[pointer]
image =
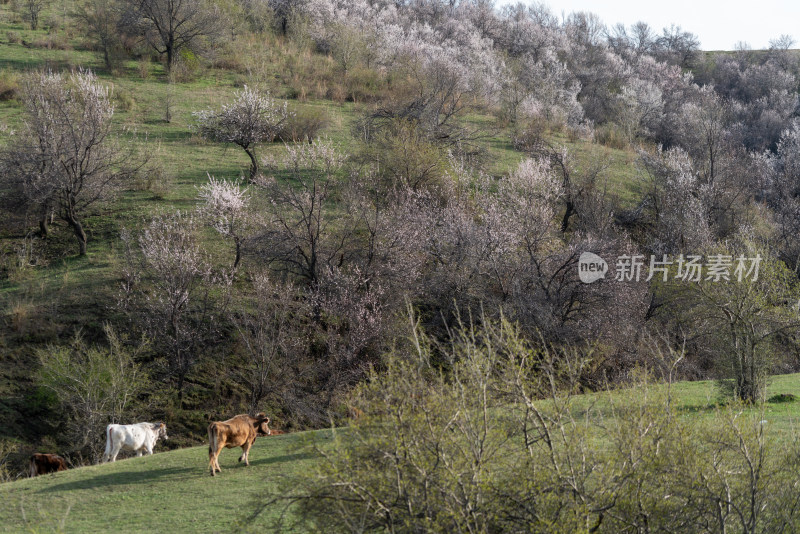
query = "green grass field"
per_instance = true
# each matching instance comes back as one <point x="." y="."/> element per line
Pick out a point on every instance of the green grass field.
<point x="173" y="492"/>
<point x="167" y="492"/>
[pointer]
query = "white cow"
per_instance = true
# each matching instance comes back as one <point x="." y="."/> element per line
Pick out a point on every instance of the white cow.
<point x="137" y="437"/>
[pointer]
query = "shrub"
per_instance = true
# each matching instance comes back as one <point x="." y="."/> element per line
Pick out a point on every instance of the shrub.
<point x="9" y="85"/>
<point x="143" y="67"/>
<point x="20" y="314"/>
<point x="124" y="100"/>
<point x="305" y="124"/>
<point x="53" y="41"/>
<point x="493" y="438"/>
<point x="782" y="397"/>
<point x="154" y="177"/>
<point x="529" y="136"/>
<point x="406" y="157"/>
<point x="612" y="136"/>
<point x="7" y="448"/>
<point x="363" y="84"/>
<point x="95" y="385"/>
<point x="13" y="37"/>
<point x="186" y="67"/>
<point x="229" y="62"/>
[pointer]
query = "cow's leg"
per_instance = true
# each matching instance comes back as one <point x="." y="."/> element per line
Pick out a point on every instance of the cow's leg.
<point x="212" y="462"/>
<point x="109" y="443"/>
<point x="138" y="453"/>
<point x="115" y="452"/>
<point x="246" y="453"/>
<point x="213" y="456"/>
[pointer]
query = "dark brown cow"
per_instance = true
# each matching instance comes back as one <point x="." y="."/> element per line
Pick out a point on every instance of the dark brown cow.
<point x="240" y="431"/>
<point x="42" y="464"/>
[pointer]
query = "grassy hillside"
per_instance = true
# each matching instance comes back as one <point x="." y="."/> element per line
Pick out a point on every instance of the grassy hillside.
<point x="166" y="492"/>
<point x="172" y="491"/>
<point x="55" y="293"/>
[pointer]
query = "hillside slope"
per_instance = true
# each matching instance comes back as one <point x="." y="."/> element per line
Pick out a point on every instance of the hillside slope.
<point x="54" y="294"/>
<point x="172" y="491"/>
<point x="166" y="492"/>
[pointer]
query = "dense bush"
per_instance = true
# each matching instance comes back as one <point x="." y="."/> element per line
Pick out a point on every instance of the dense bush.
<point x="303" y="124"/>
<point x="497" y="440"/>
<point x="94" y="386"/>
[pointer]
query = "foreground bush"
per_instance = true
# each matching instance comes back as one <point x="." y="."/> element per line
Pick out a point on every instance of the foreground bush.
<point x="493" y="438"/>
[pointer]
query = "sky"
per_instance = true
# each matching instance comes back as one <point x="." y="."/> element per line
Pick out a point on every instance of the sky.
<point x="718" y="25"/>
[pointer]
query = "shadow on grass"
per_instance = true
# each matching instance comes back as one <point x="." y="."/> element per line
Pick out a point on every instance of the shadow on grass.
<point x="119" y="479"/>
<point x="285" y="458"/>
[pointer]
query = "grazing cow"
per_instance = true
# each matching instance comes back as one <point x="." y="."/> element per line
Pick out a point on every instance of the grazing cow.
<point x="138" y="437"/>
<point x="42" y="464"/>
<point x="240" y="431"/>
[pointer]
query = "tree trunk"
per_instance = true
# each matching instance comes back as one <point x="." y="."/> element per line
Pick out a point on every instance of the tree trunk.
<point x="253" y="163"/>
<point x="107" y="57"/>
<point x="181" y="378"/>
<point x="44" y="226"/>
<point x="238" y="253"/>
<point x="569" y="211"/>
<point x="170" y="55"/>
<point x="80" y="234"/>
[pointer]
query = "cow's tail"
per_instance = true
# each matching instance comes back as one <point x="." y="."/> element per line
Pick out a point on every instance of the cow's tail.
<point x="109" y="444"/>
<point x="213" y="438"/>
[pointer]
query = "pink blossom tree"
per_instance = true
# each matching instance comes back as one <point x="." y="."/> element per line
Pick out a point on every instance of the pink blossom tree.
<point x="225" y="208"/>
<point x="252" y="118"/>
<point x="65" y="159"/>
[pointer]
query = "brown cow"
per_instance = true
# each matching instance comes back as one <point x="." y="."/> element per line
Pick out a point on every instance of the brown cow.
<point x="240" y="431"/>
<point x="42" y="464"/>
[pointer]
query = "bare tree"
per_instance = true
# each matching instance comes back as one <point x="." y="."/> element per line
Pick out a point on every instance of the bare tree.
<point x="66" y="158"/>
<point x="300" y="237"/>
<point x="269" y="335"/>
<point x="283" y="11"/>
<point x="780" y="51"/>
<point x="170" y="26"/>
<point x="102" y="19"/>
<point x="677" y="47"/>
<point x="742" y="315"/>
<point x="251" y="119"/>
<point x="31" y="9"/>
<point x="179" y="311"/>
